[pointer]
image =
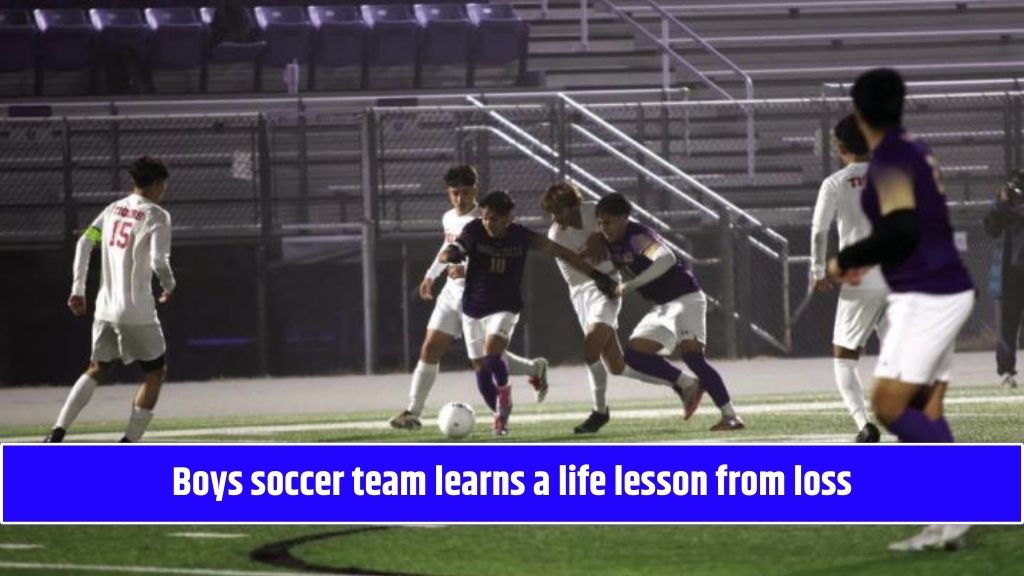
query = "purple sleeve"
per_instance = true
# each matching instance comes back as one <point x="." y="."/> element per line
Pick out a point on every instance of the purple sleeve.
<point x="643" y="241"/>
<point x="469" y="236"/>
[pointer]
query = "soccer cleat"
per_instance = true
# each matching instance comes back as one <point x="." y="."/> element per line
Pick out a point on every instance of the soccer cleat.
<point x="690" y="396"/>
<point x="954" y="536"/>
<point x="124" y="440"/>
<point x="593" y="423"/>
<point x="1010" y="381"/>
<point x="406" y="421"/>
<point x="729" y="424"/>
<point x="869" y="434"/>
<point x="929" y="539"/>
<point x="539" y="381"/>
<point x="500" y="426"/>
<point x="55" y="435"/>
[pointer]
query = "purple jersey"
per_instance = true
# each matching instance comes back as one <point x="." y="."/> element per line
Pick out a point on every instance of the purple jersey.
<point x="934" y="267"/>
<point x="494" y="271"/>
<point x="631" y="255"/>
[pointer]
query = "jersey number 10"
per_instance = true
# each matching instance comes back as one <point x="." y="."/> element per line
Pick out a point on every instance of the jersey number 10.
<point x="497" y="265"/>
<point x="121" y="233"/>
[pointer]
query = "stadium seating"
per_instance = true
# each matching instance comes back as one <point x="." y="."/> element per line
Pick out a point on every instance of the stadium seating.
<point x="447" y="37"/>
<point x="394" y="44"/>
<point x="67" y="44"/>
<point x="231" y="62"/>
<point x="339" y="42"/>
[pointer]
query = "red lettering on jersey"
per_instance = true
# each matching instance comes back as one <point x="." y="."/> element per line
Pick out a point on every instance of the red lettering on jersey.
<point x="129" y="213"/>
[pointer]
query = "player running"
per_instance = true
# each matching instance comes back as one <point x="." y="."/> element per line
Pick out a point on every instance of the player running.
<point x="445" y="325"/>
<point x="496" y="249"/>
<point x="134" y="234"/>
<point x="679" y="307"/>
<point x="575" y="227"/>
<point x="932" y="292"/>
<point x="862" y="307"/>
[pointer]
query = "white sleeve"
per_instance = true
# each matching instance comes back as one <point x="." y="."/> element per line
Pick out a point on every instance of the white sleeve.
<point x="92" y="236"/>
<point x="436" y="267"/>
<point x="824" y="214"/>
<point x="160" y="254"/>
<point x="662" y="260"/>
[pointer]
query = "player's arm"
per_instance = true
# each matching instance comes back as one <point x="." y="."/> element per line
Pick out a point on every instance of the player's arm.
<point x="894" y="238"/>
<point x="433" y="272"/>
<point x="457" y="251"/>
<point x="662" y="259"/>
<point x="92" y="236"/>
<point x="160" y="257"/>
<point x="604" y="282"/>
<point x="824" y="213"/>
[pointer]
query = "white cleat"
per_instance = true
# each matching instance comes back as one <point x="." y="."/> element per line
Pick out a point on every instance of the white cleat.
<point x="934" y="537"/>
<point x="539" y="381"/>
<point x="1010" y="381"/>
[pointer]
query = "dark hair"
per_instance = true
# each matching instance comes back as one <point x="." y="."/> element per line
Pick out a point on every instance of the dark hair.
<point x="614" y="204"/>
<point x="498" y="202"/>
<point x="850" y="136"/>
<point x="560" y="195"/>
<point x="878" y="95"/>
<point x="148" y="170"/>
<point x="461" y="176"/>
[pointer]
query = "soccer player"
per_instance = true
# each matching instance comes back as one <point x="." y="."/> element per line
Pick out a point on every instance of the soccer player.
<point x="496" y="249"/>
<point x="861" y="308"/>
<point x="932" y="292"/>
<point x="679" y="307"/>
<point x="575" y="227"/>
<point x="445" y="325"/>
<point x="134" y="234"/>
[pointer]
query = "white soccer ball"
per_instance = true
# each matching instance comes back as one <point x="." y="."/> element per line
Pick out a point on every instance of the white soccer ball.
<point x="456" y="419"/>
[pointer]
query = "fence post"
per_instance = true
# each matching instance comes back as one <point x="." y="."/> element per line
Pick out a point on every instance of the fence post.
<point x="406" y="294"/>
<point x="70" y="211"/>
<point x="371" y="198"/>
<point x="727" y="280"/>
<point x="115" y="151"/>
<point x="743" y="292"/>
<point x="265" y="248"/>
<point x="561" y="120"/>
<point x="1015" y="111"/>
<point x="825" y="139"/>
<point x="303" y="160"/>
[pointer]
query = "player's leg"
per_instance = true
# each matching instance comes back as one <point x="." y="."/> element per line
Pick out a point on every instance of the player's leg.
<point x="495" y="346"/>
<point x="597" y="340"/>
<point x="475" y="335"/>
<point x="147" y="344"/>
<point x="856" y="317"/>
<point x="644" y="363"/>
<point x="535" y="369"/>
<point x="435" y="344"/>
<point x="691" y="325"/>
<point x="105" y="350"/>
<point x="1009" y="313"/>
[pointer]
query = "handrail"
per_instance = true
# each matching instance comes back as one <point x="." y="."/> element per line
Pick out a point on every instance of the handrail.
<point x="843" y="36"/>
<point x="765" y="7"/>
<point x="714" y="196"/>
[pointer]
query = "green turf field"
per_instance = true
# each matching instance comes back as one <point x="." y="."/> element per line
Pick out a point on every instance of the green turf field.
<point x="977" y="415"/>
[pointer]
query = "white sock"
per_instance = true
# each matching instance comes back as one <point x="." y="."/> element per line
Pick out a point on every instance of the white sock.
<point x="727" y="410"/>
<point x="630" y="373"/>
<point x="848" y="382"/>
<point x="519" y="366"/>
<point x="137" y="423"/>
<point x="79" y="396"/>
<point x="423" y="378"/>
<point x="598" y="376"/>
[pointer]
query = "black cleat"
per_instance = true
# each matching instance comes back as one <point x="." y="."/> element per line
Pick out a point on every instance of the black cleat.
<point x="124" y="440"/>
<point x="55" y="435"/>
<point x="593" y="423"/>
<point x="869" y="434"/>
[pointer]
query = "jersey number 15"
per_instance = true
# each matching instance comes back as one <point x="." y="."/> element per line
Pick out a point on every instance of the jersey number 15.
<point x="121" y="233"/>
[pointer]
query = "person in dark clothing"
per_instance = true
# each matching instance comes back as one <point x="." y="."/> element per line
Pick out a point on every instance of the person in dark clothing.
<point x="1005" y="221"/>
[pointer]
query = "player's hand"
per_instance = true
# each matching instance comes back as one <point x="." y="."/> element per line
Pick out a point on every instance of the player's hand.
<point x="605" y="283"/>
<point x="456" y="272"/>
<point x="426" y="288"/>
<point x="822" y="285"/>
<point x="596" y="249"/>
<point x="620" y="289"/>
<point x="77" y="305"/>
<point x="852" y="276"/>
<point x="164" y="298"/>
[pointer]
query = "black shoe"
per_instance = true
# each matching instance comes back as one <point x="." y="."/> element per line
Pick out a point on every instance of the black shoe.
<point x="869" y="434"/>
<point x="124" y="440"/>
<point x="593" y="423"/>
<point x="55" y="435"/>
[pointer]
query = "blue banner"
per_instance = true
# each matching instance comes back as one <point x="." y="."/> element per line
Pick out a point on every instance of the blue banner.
<point x="505" y="483"/>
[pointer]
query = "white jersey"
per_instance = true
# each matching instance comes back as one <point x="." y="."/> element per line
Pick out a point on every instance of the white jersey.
<point x="453" y="223"/>
<point x="134" y="235"/>
<point x="575" y="239"/>
<point x="839" y="199"/>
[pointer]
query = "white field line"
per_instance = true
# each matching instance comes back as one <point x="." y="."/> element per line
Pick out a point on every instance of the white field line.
<point x="13" y="546"/>
<point x="207" y="535"/>
<point x="105" y="569"/>
<point x="380" y="425"/>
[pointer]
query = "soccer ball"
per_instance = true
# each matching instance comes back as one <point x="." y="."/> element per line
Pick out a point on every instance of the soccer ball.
<point x="456" y="419"/>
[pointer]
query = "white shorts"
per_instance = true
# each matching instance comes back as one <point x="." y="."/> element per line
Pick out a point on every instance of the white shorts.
<point x="593" y="307"/>
<point x="669" y="324"/>
<point x="126" y="342"/>
<point x="858" y="314"/>
<point x="476" y="330"/>
<point x="447" y="314"/>
<point x="922" y="331"/>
